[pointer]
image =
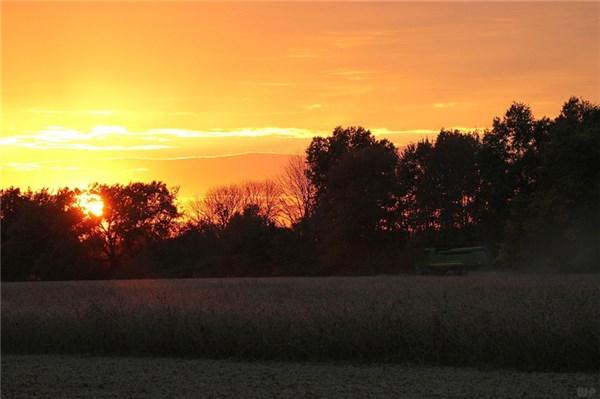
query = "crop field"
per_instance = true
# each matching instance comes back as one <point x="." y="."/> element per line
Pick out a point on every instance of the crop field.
<point x="526" y="322"/>
<point x="71" y="377"/>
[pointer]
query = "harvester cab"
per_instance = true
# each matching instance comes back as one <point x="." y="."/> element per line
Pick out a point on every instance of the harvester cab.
<point x="451" y="260"/>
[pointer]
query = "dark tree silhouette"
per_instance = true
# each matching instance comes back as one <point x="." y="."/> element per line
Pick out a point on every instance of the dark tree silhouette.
<point x="134" y="215"/>
<point x="528" y="189"/>
<point x="222" y="203"/>
<point x="555" y="223"/>
<point x="354" y="177"/>
<point x="439" y="187"/>
<point x="452" y="183"/>
<point x="246" y="240"/>
<point x="297" y="192"/>
<point x="40" y="235"/>
<point x="414" y="202"/>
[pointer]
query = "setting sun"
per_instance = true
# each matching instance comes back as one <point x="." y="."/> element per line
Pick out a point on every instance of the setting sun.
<point x="90" y="204"/>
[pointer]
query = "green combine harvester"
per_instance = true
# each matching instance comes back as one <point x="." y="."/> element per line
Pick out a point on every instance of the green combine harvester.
<point x="451" y="261"/>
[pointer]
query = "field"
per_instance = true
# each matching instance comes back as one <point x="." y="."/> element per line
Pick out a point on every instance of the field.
<point x="71" y="377"/>
<point x="525" y="322"/>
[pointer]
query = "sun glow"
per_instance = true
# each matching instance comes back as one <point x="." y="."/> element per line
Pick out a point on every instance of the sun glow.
<point x="90" y="204"/>
<point x="203" y="94"/>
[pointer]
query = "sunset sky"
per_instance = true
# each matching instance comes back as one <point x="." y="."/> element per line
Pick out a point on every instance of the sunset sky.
<point x="200" y="94"/>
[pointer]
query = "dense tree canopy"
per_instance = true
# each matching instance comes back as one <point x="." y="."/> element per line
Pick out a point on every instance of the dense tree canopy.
<point x="528" y="189"/>
<point x="555" y="222"/>
<point x="40" y="235"/>
<point x="134" y="215"/>
<point x="354" y="175"/>
<point x="439" y="188"/>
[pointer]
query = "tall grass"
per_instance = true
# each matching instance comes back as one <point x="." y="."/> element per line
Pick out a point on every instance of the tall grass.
<point x="525" y="322"/>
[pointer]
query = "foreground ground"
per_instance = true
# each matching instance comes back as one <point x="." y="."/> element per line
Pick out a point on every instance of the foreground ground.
<point x="526" y="322"/>
<point x="28" y="376"/>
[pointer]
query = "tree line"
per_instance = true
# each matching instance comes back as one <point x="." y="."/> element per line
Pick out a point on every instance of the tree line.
<point x="528" y="189"/>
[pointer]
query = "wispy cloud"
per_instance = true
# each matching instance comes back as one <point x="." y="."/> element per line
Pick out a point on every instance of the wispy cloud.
<point x="23" y="166"/>
<point x="67" y="168"/>
<point x="354" y="74"/>
<point x="180" y="113"/>
<point x="445" y="105"/>
<point x="35" y="167"/>
<point x="107" y="112"/>
<point x="243" y="132"/>
<point x="358" y="38"/>
<point x="346" y="90"/>
<point x="389" y="132"/>
<point x="93" y="112"/>
<point x="97" y="139"/>
<point x="156" y="139"/>
<point x="302" y="55"/>
<point x="314" y="106"/>
<point x="272" y="84"/>
<point x="119" y="138"/>
<point x="196" y="157"/>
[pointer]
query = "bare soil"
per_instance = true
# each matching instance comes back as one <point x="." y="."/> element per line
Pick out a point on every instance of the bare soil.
<point x="34" y="376"/>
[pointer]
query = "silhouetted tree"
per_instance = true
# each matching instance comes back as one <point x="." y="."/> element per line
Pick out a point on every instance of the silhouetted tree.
<point x="555" y="223"/>
<point x="218" y="206"/>
<point x="134" y="215"/>
<point x="354" y="177"/>
<point x="528" y="189"/>
<point x="298" y="194"/>
<point x="40" y="235"/>
<point x="452" y="185"/>
<point x="195" y="252"/>
<point x="510" y="160"/>
<point x="222" y="203"/>
<point x="438" y="189"/>
<point x="246" y="241"/>
<point x="265" y="196"/>
<point x="414" y="203"/>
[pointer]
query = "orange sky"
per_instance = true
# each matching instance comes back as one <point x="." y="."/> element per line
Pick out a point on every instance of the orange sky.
<point x="177" y="91"/>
